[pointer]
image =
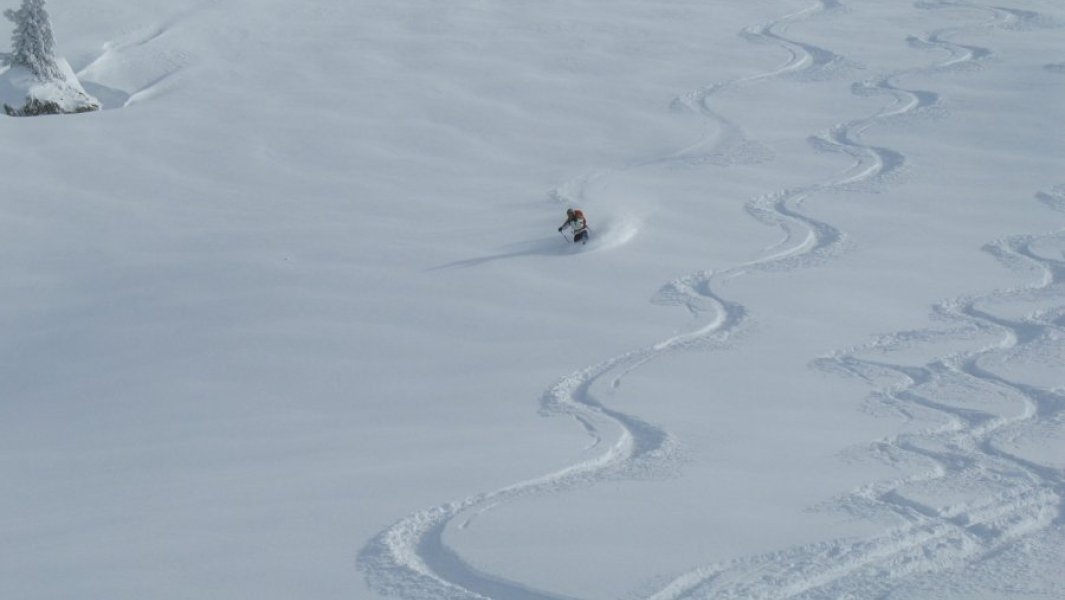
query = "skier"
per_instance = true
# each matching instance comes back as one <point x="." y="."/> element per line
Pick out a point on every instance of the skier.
<point x="575" y="220"/>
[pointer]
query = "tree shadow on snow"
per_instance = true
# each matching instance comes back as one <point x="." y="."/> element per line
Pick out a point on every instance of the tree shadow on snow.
<point x="110" y="98"/>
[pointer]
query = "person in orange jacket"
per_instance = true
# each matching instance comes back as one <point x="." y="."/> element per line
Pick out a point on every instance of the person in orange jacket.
<point x="575" y="220"/>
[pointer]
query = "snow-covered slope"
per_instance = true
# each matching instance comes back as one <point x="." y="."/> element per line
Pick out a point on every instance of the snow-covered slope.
<point x="285" y="319"/>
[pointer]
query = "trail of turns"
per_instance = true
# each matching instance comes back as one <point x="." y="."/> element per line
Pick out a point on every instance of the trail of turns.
<point x="411" y="560"/>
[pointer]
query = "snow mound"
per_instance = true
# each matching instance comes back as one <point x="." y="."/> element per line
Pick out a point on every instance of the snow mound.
<point x="23" y="93"/>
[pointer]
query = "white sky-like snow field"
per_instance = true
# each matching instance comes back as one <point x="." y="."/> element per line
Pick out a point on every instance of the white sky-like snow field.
<point x="290" y="317"/>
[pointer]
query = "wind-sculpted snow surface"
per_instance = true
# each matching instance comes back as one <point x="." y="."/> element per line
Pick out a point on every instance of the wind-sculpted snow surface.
<point x="136" y="66"/>
<point x="975" y="414"/>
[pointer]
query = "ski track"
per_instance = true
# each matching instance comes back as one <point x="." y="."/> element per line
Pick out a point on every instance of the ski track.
<point x="411" y="560"/>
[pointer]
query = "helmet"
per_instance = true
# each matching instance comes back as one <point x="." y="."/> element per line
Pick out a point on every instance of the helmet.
<point x="569" y="212"/>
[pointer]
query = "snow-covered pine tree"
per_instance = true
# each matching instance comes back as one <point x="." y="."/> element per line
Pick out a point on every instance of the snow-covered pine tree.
<point x="33" y="44"/>
<point x="38" y="82"/>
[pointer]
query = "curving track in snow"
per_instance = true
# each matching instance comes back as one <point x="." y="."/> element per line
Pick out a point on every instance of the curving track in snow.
<point x="976" y="414"/>
<point x="411" y="560"/>
<point x="971" y="419"/>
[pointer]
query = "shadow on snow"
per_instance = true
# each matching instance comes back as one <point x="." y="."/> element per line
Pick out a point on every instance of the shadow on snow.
<point x="538" y="247"/>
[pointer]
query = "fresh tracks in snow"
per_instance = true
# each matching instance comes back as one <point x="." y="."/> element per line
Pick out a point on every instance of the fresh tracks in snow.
<point x="1015" y="497"/>
<point x="411" y="560"/>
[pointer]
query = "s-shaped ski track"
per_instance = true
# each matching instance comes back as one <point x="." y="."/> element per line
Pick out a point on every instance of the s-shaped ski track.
<point x="411" y="560"/>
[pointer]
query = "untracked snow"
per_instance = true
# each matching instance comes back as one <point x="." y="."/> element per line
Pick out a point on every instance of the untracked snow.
<point x="290" y="317"/>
